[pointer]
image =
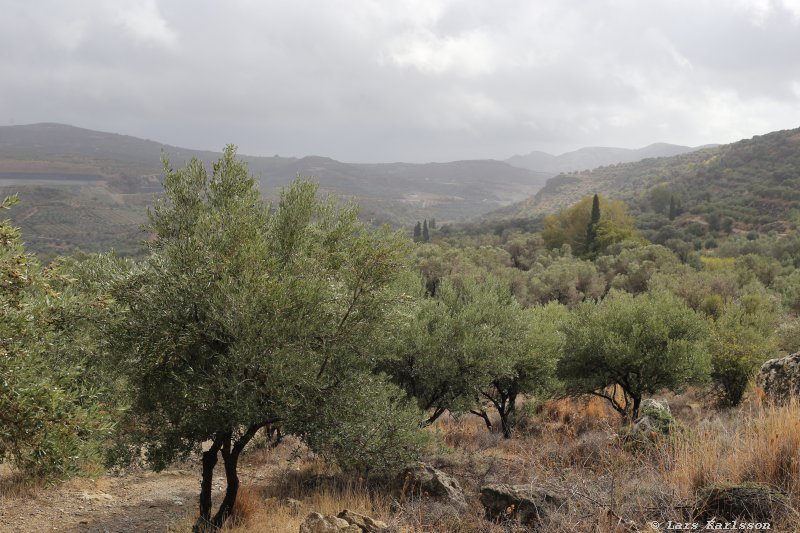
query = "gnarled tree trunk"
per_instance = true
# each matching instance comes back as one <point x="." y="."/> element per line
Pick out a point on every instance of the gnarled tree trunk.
<point x="231" y="450"/>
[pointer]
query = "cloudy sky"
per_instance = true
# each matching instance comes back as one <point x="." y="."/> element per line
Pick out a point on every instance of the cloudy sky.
<point x="416" y="80"/>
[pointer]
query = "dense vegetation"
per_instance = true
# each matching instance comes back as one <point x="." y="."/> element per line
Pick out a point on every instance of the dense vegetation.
<point x="243" y="316"/>
<point x="748" y="185"/>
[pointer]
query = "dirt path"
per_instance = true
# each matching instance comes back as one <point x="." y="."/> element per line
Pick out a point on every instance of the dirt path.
<point x="145" y="502"/>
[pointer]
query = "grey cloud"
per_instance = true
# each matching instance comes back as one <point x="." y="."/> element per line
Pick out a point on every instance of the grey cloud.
<point x="415" y="80"/>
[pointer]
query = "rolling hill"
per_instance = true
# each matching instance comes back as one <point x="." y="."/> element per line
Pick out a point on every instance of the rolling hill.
<point x="755" y="182"/>
<point x="89" y="190"/>
<point x="593" y="157"/>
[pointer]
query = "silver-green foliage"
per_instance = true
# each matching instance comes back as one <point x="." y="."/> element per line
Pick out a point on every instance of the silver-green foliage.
<point x="54" y="410"/>
<point x="472" y="346"/>
<point x="245" y="315"/>
<point x="636" y="345"/>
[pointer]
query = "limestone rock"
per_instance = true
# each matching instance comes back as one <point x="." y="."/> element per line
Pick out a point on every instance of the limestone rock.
<point x="526" y="503"/>
<point x="755" y="502"/>
<point x="317" y="523"/>
<point x="364" y="523"/>
<point x="780" y="378"/>
<point x="425" y="480"/>
<point x="655" y="418"/>
<point x="649" y="404"/>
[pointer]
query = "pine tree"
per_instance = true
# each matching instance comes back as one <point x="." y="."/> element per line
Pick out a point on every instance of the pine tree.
<point x="591" y="230"/>
<point x="417" y="232"/>
<point x="673" y="207"/>
<point x="426" y="237"/>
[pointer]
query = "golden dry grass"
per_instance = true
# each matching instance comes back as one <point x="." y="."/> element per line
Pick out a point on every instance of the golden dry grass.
<point x="566" y="446"/>
<point x="282" y="504"/>
<point x="760" y="444"/>
<point x="13" y="485"/>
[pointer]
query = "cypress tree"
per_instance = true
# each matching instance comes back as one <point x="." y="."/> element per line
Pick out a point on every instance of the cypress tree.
<point x="591" y="230"/>
<point x="417" y="232"/>
<point x="432" y="225"/>
<point x="426" y="237"/>
<point x="673" y="207"/>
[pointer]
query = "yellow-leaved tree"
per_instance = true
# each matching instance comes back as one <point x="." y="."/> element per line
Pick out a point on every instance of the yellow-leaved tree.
<point x="572" y="226"/>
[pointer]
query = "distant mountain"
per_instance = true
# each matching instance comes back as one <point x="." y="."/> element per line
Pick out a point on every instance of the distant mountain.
<point x="88" y="189"/>
<point x="593" y="157"/>
<point x="754" y="182"/>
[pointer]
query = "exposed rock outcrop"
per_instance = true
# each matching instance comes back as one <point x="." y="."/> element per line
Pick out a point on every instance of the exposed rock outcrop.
<point x="528" y="504"/>
<point x="422" y="479"/>
<point x="755" y="502"/>
<point x="655" y="419"/>
<point x="364" y="523"/>
<point x="318" y="523"/>
<point x="780" y="378"/>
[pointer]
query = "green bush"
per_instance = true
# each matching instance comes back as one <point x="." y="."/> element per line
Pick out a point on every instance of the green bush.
<point x="366" y="426"/>
<point x="54" y="410"/>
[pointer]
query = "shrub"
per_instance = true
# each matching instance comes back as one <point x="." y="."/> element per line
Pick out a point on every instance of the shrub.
<point x="635" y="344"/>
<point x="368" y="427"/>
<point x="52" y="415"/>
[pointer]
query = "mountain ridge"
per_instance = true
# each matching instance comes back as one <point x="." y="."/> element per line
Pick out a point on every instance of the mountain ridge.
<point x="58" y="215"/>
<point x="753" y="182"/>
<point x="591" y="157"/>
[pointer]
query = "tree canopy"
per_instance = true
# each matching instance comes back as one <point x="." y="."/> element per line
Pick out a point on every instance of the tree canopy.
<point x="245" y="315"/>
<point x="576" y="227"/>
<point x="627" y="346"/>
<point x="54" y="407"/>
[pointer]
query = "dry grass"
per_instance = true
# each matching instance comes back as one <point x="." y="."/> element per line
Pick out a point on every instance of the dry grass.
<point x="282" y="504"/>
<point x="13" y="485"/>
<point x="760" y="444"/>
<point x="567" y="446"/>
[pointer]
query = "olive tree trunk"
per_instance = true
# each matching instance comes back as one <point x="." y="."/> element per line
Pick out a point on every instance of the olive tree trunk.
<point x="230" y="450"/>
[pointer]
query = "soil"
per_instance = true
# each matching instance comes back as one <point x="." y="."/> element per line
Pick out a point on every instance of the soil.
<point x="136" y="501"/>
<point x="131" y="503"/>
<point x="142" y="501"/>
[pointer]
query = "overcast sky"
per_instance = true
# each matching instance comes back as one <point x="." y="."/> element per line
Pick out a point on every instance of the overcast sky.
<point x="392" y="80"/>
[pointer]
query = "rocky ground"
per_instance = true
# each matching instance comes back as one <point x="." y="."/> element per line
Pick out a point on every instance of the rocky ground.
<point x="142" y="501"/>
<point x="571" y="468"/>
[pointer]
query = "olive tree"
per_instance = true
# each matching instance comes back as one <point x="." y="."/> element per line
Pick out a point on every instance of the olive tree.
<point x="473" y="347"/>
<point x="742" y="338"/>
<point x="54" y="407"/>
<point x="245" y="315"/>
<point x="531" y="352"/>
<point x="452" y="344"/>
<point x="631" y="346"/>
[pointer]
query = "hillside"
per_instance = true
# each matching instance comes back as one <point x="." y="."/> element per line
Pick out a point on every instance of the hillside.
<point x="593" y="157"/>
<point x="755" y="182"/>
<point x="89" y="190"/>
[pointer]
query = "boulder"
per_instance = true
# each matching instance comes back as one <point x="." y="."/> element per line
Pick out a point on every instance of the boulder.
<point x="755" y="502"/>
<point x="655" y="418"/>
<point x="780" y="378"/>
<point x="651" y="404"/>
<point x="425" y="480"/>
<point x="317" y="523"/>
<point x="528" y="504"/>
<point x="364" y="523"/>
